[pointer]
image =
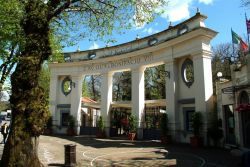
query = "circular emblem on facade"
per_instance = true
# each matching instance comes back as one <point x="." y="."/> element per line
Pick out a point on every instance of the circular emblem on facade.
<point x="183" y="29"/>
<point x="187" y="72"/>
<point x="66" y="86"/>
<point x="152" y="41"/>
<point x="91" y="55"/>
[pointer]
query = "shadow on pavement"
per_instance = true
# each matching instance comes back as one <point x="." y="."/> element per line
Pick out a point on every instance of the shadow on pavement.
<point x="183" y="153"/>
<point x="56" y="165"/>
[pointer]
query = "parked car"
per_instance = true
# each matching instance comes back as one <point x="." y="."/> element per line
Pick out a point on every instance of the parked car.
<point x="3" y="115"/>
<point x="8" y="117"/>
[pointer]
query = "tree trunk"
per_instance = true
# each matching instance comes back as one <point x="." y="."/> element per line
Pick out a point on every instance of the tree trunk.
<point x="29" y="107"/>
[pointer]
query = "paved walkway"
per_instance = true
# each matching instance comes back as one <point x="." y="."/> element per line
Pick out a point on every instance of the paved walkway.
<point x="125" y="153"/>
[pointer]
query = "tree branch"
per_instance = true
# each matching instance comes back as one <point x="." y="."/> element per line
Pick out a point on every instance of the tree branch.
<point x="108" y="4"/>
<point x="60" y="9"/>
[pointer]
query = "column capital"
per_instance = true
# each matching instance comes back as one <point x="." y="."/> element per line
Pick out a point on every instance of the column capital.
<point x="138" y="69"/>
<point x="76" y="77"/>
<point x="169" y="62"/>
<point x="107" y="73"/>
<point x="202" y="54"/>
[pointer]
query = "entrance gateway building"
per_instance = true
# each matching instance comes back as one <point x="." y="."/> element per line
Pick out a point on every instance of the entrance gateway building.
<point x="185" y="51"/>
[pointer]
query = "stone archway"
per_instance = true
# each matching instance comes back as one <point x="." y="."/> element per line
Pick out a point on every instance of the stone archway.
<point x="189" y="40"/>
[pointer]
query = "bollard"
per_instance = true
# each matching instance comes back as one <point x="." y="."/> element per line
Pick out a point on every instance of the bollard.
<point x="246" y="159"/>
<point x="70" y="155"/>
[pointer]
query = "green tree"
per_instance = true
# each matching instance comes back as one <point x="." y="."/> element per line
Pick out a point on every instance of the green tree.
<point x="85" y="91"/>
<point x="122" y="86"/>
<point x="155" y="83"/>
<point x="11" y="43"/>
<point x="93" y="86"/>
<point x="223" y="57"/>
<point x="44" y="79"/>
<point x="38" y="19"/>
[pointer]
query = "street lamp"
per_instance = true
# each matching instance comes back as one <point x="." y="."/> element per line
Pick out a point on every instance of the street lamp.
<point x="219" y="75"/>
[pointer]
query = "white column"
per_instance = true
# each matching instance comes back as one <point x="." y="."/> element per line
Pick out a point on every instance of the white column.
<point x="106" y="99"/>
<point x="171" y="99"/>
<point x="53" y="90"/>
<point x="76" y="96"/>
<point x="138" y="98"/>
<point x="203" y="87"/>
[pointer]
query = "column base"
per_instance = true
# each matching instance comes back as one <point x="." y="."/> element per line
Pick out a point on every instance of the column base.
<point x="139" y="133"/>
<point x="107" y="131"/>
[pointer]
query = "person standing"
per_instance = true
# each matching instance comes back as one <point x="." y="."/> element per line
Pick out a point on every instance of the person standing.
<point x="4" y="131"/>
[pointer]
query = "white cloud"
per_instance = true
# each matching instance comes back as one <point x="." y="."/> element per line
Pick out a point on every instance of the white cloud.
<point x="150" y="30"/>
<point x="206" y="1"/>
<point x="176" y="10"/>
<point x="179" y="9"/>
<point x="94" y="46"/>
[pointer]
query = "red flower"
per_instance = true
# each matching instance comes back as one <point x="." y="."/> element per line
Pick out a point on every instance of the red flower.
<point x="243" y="107"/>
<point x="124" y="121"/>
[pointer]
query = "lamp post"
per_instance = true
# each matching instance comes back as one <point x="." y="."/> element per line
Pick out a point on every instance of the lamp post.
<point x="219" y="75"/>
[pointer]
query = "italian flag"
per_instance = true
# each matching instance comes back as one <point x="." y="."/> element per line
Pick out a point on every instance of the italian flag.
<point x="236" y="39"/>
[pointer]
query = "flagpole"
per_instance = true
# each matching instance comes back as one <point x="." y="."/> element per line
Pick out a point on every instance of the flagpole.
<point x="233" y="45"/>
<point x="247" y="30"/>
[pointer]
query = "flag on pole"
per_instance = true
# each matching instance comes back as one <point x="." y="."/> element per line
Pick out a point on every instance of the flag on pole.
<point x="243" y="46"/>
<point x="248" y="25"/>
<point x="236" y="39"/>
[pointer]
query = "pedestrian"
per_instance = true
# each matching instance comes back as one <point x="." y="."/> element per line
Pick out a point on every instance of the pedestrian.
<point x="4" y="131"/>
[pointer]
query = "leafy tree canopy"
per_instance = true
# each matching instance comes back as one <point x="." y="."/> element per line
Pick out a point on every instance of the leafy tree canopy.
<point x="35" y="24"/>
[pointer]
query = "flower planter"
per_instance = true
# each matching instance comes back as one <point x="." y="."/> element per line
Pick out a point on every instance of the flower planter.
<point x="196" y="141"/>
<point x="100" y="134"/>
<point x="131" y="136"/>
<point x="71" y="132"/>
<point x="166" y="139"/>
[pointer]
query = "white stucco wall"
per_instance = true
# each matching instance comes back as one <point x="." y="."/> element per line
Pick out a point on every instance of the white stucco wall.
<point x="171" y="49"/>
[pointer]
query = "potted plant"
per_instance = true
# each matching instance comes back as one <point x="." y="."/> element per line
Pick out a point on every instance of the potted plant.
<point x="165" y="138"/>
<point x="214" y="131"/>
<point x="196" y="139"/>
<point x="100" y="131"/>
<point x="71" y="126"/>
<point x="132" y="126"/>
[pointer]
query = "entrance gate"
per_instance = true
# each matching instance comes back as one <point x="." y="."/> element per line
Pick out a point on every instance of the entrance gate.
<point x="185" y="51"/>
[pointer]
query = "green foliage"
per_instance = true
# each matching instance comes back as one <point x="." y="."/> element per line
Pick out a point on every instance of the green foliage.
<point x="71" y="121"/>
<point x="196" y="123"/>
<point x="164" y="124"/>
<point x="91" y="87"/>
<point x="85" y="90"/>
<point x="101" y="19"/>
<point x="122" y="86"/>
<point x="27" y="27"/>
<point x="132" y="123"/>
<point x="57" y="55"/>
<point x="155" y="80"/>
<point x="44" y="80"/>
<point x="12" y="41"/>
<point x="100" y="123"/>
<point x="4" y="106"/>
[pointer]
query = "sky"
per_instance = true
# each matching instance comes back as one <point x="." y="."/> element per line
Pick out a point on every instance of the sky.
<point x="222" y="16"/>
